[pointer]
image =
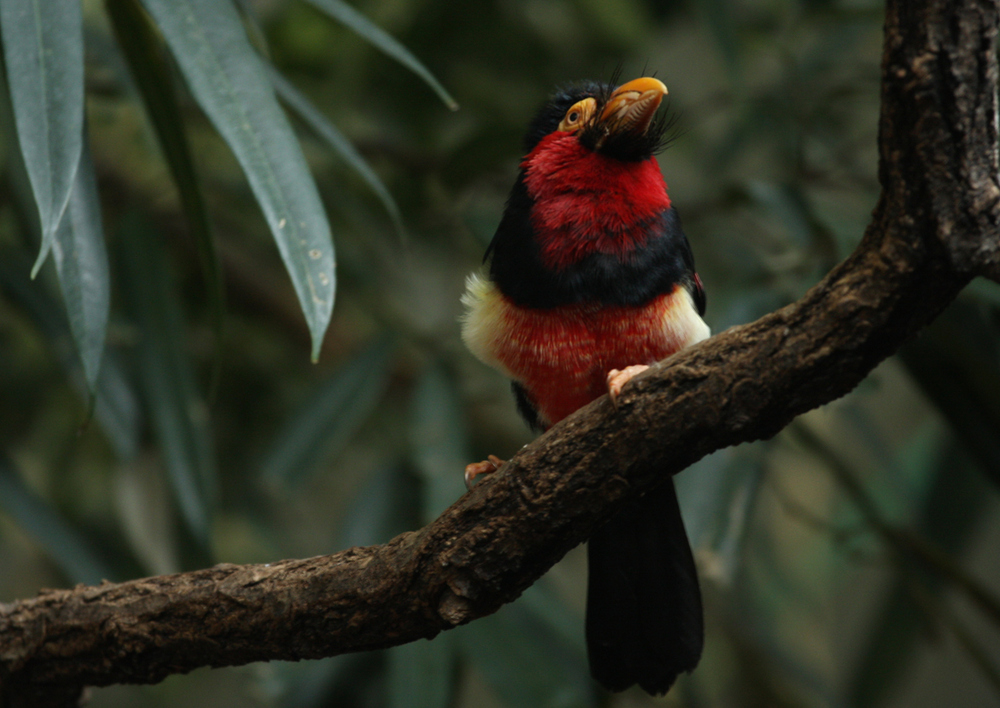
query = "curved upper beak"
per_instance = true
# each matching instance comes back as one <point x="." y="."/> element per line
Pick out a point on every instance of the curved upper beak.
<point x="633" y="105"/>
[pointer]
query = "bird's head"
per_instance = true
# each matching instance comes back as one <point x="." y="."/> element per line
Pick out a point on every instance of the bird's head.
<point x="617" y="123"/>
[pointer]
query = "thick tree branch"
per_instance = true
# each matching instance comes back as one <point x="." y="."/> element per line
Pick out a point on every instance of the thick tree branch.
<point x="938" y="131"/>
<point x="934" y="228"/>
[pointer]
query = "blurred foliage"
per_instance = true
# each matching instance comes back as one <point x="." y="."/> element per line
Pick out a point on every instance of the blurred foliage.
<point x="850" y="561"/>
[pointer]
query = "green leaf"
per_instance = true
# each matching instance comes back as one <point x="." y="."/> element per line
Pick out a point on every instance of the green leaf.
<point x="43" y="49"/>
<point x="544" y="603"/>
<point x="922" y="563"/>
<point x="420" y="673"/>
<point x="524" y="661"/>
<point x="323" y="128"/>
<point x="68" y="548"/>
<point x="116" y="407"/>
<point x="717" y="495"/>
<point x="439" y="440"/>
<point x="385" y="507"/>
<point x="706" y="492"/>
<point x="335" y="681"/>
<point x="178" y="415"/>
<point x="952" y="510"/>
<point x="382" y="40"/>
<point x="82" y="266"/>
<point x="142" y="503"/>
<point x="147" y="60"/>
<point x="328" y="420"/>
<point x="230" y="83"/>
<point x="956" y="361"/>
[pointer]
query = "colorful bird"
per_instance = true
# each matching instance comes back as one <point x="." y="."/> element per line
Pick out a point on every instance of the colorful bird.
<point x="591" y="280"/>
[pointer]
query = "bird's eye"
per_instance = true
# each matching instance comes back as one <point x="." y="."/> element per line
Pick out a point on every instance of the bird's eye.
<point x="578" y="114"/>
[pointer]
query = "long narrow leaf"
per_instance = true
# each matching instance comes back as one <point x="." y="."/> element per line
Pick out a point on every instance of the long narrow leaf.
<point x="955" y="363"/>
<point x="142" y="503"/>
<point x="177" y="414"/>
<point x="71" y="551"/>
<point x="116" y="408"/>
<point x="440" y="442"/>
<point x="382" y="40"/>
<point x="43" y="49"/>
<point x="952" y="508"/>
<point x="524" y="661"/>
<point x="912" y="557"/>
<point x="420" y="673"/>
<point x="546" y="605"/>
<point x="230" y="83"/>
<point x="82" y="265"/>
<point x="384" y="507"/>
<point x="328" y="132"/>
<point x="327" y="421"/>
<point x="147" y="61"/>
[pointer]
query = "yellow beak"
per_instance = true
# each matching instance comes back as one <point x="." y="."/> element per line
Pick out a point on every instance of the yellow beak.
<point x="633" y="105"/>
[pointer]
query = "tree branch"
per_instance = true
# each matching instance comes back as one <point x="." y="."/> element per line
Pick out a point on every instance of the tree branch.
<point x="934" y="228"/>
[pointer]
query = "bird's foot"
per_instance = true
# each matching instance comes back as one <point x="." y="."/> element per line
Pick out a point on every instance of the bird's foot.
<point x="488" y="466"/>
<point x="617" y="379"/>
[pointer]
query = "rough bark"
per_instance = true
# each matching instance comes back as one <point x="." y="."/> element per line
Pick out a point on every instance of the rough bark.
<point x="934" y="228"/>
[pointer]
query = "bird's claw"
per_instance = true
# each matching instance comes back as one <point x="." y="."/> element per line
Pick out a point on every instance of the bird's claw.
<point x="617" y="379"/>
<point x="488" y="466"/>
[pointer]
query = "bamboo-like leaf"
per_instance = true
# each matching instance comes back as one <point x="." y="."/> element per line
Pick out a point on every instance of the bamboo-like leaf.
<point x="915" y="557"/>
<point x="420" y="673"/>
<point x="384" y="507"/>
<point x="82" y="265"/>
<point x="328" y="132"/>
<point x="68" y="548"/>
<point x="524" y="661"/>
<point x="230" y="83"/>
<point x="955" y="363"/>
<point x="179" y="417"/>
<point x="952" y="508"/>
<point x="116" y="407"/>
<point x="545" y="605"/>
<point x="335" y="681"/>
<point x="146" y="56"/>
<point x="382" y="40"/>
<point x="439" y="439"/>
<point x="43" y="49"/>
<point x="327" y="421"/>
<point x="143" y="507"/>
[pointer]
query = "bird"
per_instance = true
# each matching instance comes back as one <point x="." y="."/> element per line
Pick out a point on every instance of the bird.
<point x="591" y="280"/>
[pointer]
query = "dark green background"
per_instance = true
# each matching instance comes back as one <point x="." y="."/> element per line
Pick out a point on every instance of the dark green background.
<point x="841" y="562"/>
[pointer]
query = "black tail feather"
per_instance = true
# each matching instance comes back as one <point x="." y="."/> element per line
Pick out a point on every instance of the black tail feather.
<point x="644" y="616"/>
